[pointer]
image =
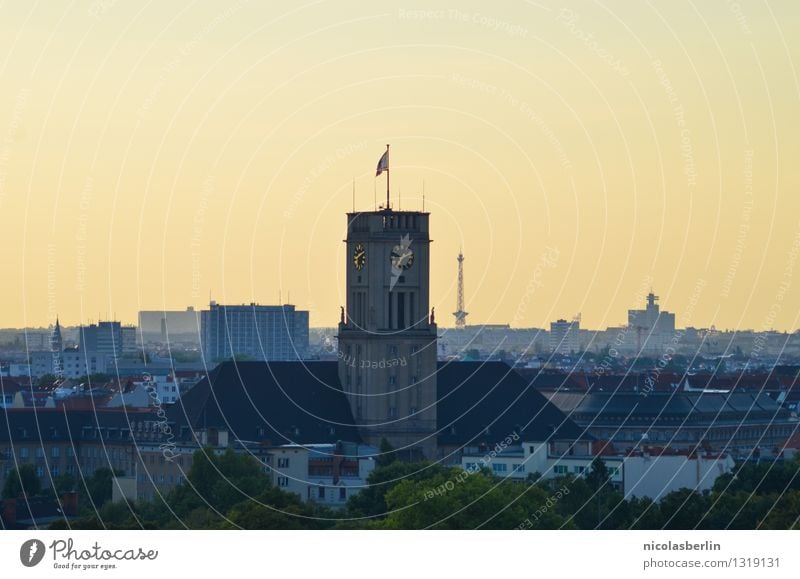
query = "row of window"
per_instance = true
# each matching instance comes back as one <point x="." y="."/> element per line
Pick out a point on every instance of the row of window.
<point x="55" y="452"/>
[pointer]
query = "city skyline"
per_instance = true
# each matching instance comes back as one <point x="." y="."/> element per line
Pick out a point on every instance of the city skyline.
<point x="661" y="165"/>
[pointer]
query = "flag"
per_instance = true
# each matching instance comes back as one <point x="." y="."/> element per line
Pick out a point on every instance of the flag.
<point x="383" y="164"/>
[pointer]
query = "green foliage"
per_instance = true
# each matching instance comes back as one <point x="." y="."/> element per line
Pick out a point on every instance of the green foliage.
<point x="387" y="455"/>
<point x="46" y="380"/>
<point x="22" y="482"/>
<point x="456" y="500"/>
<point x="98" y="487"/>
<point x="231" y="491"/>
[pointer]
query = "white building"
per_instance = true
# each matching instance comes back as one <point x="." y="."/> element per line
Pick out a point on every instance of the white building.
<point x="328" y="474"/>
<point x="635" y="475"/>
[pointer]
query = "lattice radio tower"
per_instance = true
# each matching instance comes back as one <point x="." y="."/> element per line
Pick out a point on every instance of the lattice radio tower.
<point x="460" y="314"/>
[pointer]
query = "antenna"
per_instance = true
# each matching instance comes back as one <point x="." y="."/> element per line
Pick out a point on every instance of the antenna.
<point x="423" y="195"/>
<point x="387" y="176"/>
<point x="460" y="314"/>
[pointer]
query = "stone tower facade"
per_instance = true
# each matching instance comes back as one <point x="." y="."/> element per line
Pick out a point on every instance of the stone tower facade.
<point x="387" y="331"/>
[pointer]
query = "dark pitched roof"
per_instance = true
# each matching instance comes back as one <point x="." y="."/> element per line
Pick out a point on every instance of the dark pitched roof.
<point x="303" y="402"/>
<point x="476" y="396"/>
<point x="279" y="402"/>
<point x="736" y="406"/>
<point x="37" y="425"/>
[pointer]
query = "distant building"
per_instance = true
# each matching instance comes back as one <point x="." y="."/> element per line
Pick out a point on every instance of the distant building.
<point x="564" y="336"/>
<point x="650" y="328"/>
<point x="109" y="339"/>
<point x="163" y="326"/>
<point x="263" y="333"/>
<point x="738" y="423"/>
<point x="74" y="364"/>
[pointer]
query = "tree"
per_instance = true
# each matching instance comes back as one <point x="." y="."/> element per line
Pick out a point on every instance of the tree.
<point x="22" y="481"/>
<point x="98" y="487"/>
<point x="46" y="380"/>
<point x="387" y="455"/>
<point x="599" y="475"/>
<point x="455" y="499"/>
<point x="371" y="501"/>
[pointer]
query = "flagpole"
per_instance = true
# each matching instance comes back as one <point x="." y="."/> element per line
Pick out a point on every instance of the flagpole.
<point x="387" y="176"/>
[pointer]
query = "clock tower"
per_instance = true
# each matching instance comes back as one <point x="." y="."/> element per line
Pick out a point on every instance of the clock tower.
<point x="387" y="334"/>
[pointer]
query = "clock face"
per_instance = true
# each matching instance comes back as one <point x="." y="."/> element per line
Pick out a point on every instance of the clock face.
<point x="402" y="257"/>
<point x="359" y="257"/>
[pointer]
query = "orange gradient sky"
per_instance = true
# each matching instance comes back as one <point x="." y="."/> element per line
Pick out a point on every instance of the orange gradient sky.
<point x="155" y="154"/>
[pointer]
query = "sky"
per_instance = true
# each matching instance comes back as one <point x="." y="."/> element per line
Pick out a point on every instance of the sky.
<point x="157" y="155"/>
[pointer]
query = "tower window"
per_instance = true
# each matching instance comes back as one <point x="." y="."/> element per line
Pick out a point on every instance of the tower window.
<point x="392" y="412"/>
<point x="392" y="380"/>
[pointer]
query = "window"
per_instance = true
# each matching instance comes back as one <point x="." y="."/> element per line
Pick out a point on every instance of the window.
<point x="392" y="411"/>
<point x="55" y="452"/>
<point x="560" y="469"/>
<point x="342" y="493"/>
<point x="321" y="492"/>
<point x="580" y="469"/>
<point x="39" y="452"/>
<point x="519" y="467"/>
<point x="23" y="452"/>
<point x="502" y="467"/>
<point x="283" y="481"/>
<point x="392" y="380"/>
<point x="40" y="471"/>
<point x="55" y="471"/>
<point x="283" y="462"/>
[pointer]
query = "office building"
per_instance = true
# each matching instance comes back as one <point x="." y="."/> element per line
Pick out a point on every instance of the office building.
<point x="253" y="332"/>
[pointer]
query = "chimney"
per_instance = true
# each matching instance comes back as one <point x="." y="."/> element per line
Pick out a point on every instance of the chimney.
<point x="10" y="513"/>
<point x="69" y="504"/>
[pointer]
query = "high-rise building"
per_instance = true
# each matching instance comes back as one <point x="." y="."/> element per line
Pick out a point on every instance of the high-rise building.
<point x="387" y="339"/>
<point x="254" y="332"/>
<point x="564" y="336"/>
<point x="651" y="328"/>
<point x="110" y="339"/>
